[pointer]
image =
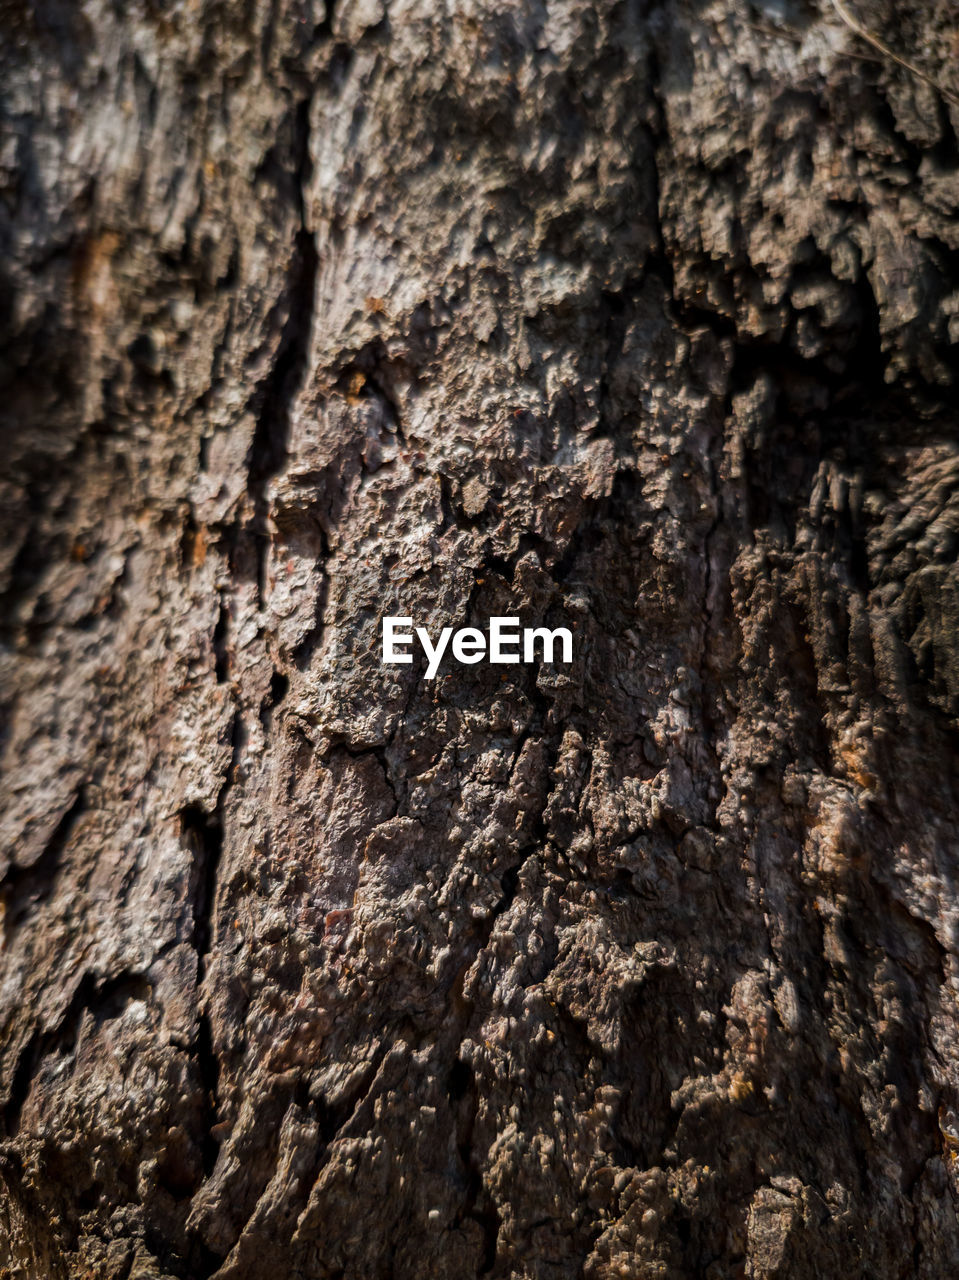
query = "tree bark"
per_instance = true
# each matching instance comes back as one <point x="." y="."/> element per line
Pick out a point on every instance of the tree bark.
<point x="634" y="317"/>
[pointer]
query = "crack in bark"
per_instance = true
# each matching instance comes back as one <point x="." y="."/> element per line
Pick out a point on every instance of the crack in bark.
<point x="291" y="364"/>
<point x="107" y="997"/>
<point x="203" y="834"/>
<point x="22" y="888"/>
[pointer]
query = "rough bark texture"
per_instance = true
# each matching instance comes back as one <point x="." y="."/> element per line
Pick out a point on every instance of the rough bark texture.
<point x="632" y="316"/>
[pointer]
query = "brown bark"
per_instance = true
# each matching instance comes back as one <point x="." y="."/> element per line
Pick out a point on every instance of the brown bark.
<point x="635" y="316"/>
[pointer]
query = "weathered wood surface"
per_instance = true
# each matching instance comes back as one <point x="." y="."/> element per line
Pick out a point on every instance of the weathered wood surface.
<point x="638" y="315"/>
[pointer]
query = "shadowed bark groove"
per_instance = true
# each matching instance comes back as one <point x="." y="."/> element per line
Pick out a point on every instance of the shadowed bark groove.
<point x="632" y="317"/>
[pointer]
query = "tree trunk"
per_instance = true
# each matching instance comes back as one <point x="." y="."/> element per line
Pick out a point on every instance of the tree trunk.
<point x="635" y="318"/>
